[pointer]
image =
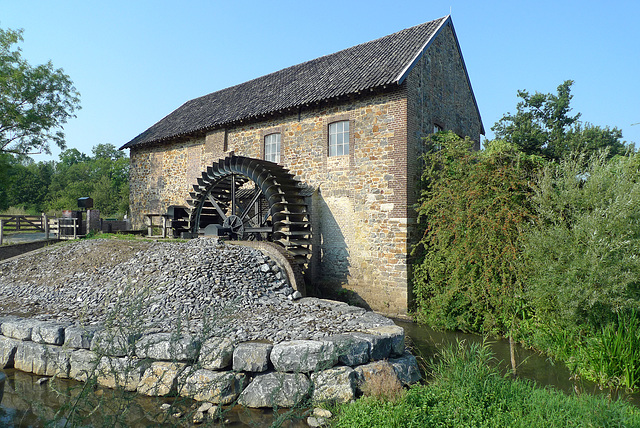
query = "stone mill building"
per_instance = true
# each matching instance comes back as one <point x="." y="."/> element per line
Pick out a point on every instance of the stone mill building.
<point x="349" y="129"/>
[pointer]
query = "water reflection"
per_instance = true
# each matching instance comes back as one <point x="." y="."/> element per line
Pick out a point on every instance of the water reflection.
<point x="530" y="365"/>
<point x="27" y="403"/>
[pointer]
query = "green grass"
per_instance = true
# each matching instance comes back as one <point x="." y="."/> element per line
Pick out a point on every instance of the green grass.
<point x="467" y="391"/>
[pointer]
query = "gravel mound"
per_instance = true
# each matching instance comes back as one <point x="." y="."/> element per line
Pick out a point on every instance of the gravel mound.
<point x="197" y="286"/>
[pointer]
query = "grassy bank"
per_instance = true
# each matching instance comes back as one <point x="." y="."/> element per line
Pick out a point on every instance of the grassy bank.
<point x="465" y="390"/>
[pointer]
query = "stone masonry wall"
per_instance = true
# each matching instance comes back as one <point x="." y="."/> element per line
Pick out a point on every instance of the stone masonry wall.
<point x="438" y="94"/>
<point x="211" y="369"/>
<point x="360" y="223"/>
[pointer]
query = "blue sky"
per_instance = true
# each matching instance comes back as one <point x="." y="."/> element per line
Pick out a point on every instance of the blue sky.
<point x="136" y="61"/>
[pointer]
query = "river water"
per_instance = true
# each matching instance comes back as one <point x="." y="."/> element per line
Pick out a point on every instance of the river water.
<point x="529" y="364"/>
<point x="27" y="403"/>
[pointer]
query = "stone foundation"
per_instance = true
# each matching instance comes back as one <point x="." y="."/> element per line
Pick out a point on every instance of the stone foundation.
<point x="214" y="370"/>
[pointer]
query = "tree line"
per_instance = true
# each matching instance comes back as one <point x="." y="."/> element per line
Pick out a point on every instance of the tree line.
<point x="53" y="186"/>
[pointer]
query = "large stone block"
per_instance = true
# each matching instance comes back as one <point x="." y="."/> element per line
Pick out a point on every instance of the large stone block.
<point x="114" y="342"/>
<point x="373" y="319"/>
<point x="82" y="364"/>
<point x="252" y="357"/>
<point x="406" y="368"/>
<point x="7" y="352"/>
<point x="161" y="378"/>
<point x="303" y="356"/>
<point x="19" y="329"/>
<point x="379" y="345"/>
<point x="333" y="386"/>
<point x="394" y="333"/>
<point x="375" y="373"/>
<point x="43" y="360"/>
<point x="167" y="347"/>
<point x="47" y="333"/>
<point x="276" y="389"/>
<point x="216" y="353"/>
<point x="122" y="373"/>
<point x="351" y="350"/>
<point x="215" y="387"/>
<point x="79" y="337"/>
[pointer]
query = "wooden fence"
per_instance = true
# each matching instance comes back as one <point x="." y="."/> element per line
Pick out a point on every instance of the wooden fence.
<point x="22" y="223"/>
<point x="63" y="228"/>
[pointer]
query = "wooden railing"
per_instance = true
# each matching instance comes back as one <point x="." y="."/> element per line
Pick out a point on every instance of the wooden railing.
<point x="60" y="227"/>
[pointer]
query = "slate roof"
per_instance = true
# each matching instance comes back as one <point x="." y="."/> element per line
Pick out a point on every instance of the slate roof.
<point x="375" y="64"/>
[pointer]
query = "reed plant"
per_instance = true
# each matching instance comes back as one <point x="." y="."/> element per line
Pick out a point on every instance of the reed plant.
<point x="614" y="353"/>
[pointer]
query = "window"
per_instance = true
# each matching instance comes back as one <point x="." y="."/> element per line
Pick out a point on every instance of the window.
<point x="272" y="148"/>
<point x="437" y="128"/>
<point x="339" y="138"/>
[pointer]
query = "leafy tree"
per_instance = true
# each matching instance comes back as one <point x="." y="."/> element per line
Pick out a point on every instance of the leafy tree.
<point x="35" y="102"/>
<point x="474" y="205"/>
<point x="543" y="126"/>
<point x="582" y="254"/>
<point x="107" y="151"/>
<point x="6" y="165"/>
<point x="28" y="185"/>
<point x="104" y="177"/>
<point x="71" y="157"/>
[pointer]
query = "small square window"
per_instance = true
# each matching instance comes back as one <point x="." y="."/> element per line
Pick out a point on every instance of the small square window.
<point x="339" y="138"/>
<point x="272" y="148"/>
<point x="437" y="128"/>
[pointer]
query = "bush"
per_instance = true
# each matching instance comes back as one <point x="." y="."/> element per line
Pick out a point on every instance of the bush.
<point x="583" y="253"/>
<point x="474" y="206"/>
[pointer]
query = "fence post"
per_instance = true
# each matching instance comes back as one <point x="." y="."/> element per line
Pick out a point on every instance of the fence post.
<point x="75" y="221"/>
<point x="150" y="227"/>
<point x="1" y="230"/>
<point x="164" y="226"/>
<point x="45" y="222"/>
<point x="17" y="223"/>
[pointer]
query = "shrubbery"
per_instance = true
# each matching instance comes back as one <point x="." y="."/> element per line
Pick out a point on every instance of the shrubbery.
<point x="548" y="252"/>
<point x="474" y="207"/>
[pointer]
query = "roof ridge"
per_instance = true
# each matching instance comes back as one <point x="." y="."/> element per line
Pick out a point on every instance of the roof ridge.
<point x="325" y="56"/>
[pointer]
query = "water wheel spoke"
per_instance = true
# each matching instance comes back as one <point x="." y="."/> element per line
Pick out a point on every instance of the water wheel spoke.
<point x="217" y="207"/>
<point x="252" y="203"/>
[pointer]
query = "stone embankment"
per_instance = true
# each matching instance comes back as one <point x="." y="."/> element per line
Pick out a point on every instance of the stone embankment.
<point x="214" y="322"/>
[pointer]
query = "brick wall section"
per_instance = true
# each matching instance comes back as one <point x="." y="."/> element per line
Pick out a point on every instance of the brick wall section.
<point x="363" y="212"/>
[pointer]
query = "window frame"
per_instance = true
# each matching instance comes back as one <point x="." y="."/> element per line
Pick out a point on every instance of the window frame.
<point x="342" y="138"/>
<point x="269" y="144"/>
